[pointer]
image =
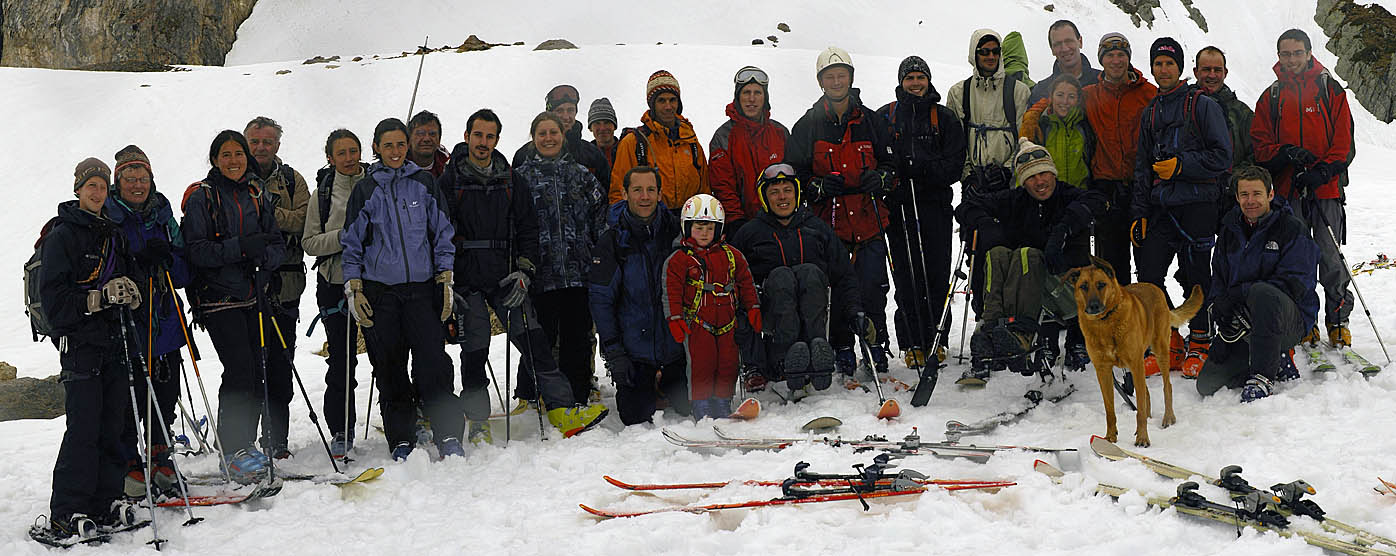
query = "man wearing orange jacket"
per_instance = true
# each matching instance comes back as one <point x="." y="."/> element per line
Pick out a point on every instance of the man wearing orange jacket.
<point x="1302" y="131"/>
<point x="666" y="141"/>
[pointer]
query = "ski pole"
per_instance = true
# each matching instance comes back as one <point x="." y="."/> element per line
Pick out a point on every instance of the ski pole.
<point x="140" y="433"/>
<point x="413" y="105"/>
<point x="368" y="410"/>
<point x="153" y="410"/>
<point x="918" y="331"/>
<point x="964" y="318"/>
<point x="266" y="390"/>
<point x="351" y="353"/>
<point x="533" y="366"/>
<point x="1344" y="260"/>
<point x="315" y="419"/>
<point x="208" y="408"/>
<point x="508" y="370"/>
<point x="495" y="381"/>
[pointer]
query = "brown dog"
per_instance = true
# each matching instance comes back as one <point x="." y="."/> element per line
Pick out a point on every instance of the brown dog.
<point x="1120" y="323"/>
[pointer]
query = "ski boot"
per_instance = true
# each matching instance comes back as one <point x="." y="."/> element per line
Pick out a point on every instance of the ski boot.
<point x="163" y="480"/>
<point x="879" y="359"/>
<point x="1198" y="343"/>
<point x="573" y="420"/>
<point x="822" y="363"/>
<point x="248" y="466"/>
<point x="700" y="409"/>
<point x="422" y="429"/>
<point x="1047" y="353"/>
<point x="1077" y="357"/>
<point x="341" y="445"/>
<point x="121" y="515"/>
<point x="1312" y="338"/>
<point x="845" y="362"/>
<point x="1177" y="352"/>
<point x="76" y="525"/>
<point x="1339" y="336"/>
<point x="402" y="450"/>
<point x="977" y="374"/>
<point x="450" y="447"/>
<point x="479" y="433"/>
<point x="1256" y="387"/>
<point x="797" y="359"/>
<point x="133" y="485"/>
<point x="915" y="358"/>
<point x="1287" y="370"/>
<point x="752" y="379"/>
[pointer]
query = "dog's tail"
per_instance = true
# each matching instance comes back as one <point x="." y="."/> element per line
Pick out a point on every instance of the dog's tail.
<point x="1188" y="309"/>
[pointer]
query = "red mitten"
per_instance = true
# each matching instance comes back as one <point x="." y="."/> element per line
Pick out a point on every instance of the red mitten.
<point x="753" y="316"/>
<point x="678" y="329"/>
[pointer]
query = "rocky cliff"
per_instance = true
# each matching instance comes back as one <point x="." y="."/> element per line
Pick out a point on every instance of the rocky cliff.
<point x="118" y="34"/>
<point x="1364" y="39"/>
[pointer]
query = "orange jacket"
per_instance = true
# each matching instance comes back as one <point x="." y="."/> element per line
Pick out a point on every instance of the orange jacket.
<point x="683" y="169"/>
<point x="1113" y="110"/>
<point x="1306" y="122"/>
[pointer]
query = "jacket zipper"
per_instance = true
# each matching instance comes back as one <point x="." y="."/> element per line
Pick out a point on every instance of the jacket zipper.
<point x="401" y="238"/>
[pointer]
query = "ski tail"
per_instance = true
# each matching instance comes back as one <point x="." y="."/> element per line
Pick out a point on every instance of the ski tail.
<point x="750" y="409"/>
<point x="889" y="410"/>
<point x="1188" y="309"/>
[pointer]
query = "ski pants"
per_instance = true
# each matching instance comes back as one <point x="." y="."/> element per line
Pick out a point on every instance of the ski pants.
<point x="165" y="377"/>
<point x="1018" y="286"/>
<point x="712" y="363"/>
<point x="1187" y="232"/>
<point x="870" y="264"/>
<point x="239" y="343"/>
<point x="280" y="368"/>
<point x="91" y="463"/>
<point x="1277" y="325"/>
<point x="636" y="403"/>
<point x="565" y="316"/>
<point x="531" y="343"/>
<point x="1332" y="274"/>
<point x="406" y="320"/>
<point x="1112" y="229"/>
<point x="340" y="381"/>
<point x="920" y="243"/>
<point x="794" y="307"/>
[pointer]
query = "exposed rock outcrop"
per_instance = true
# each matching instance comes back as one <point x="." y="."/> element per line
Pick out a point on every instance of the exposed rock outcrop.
<point x="94" y="34"/>
<point x="31" y="398"/>
<point x="1364" y="39"/>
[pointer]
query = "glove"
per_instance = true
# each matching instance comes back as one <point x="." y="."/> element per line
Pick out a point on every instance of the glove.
<point x="120" y="291"/>
<point x="753" y="317"/>
<point x="358" y="304"/>
<point x="621" y="369"/>
<point x="445" y="278"/>
<point x="94" y="301"/>
<point x="1313" y="178"/>
<point x="1297" y="156"/>
<point x="875" y="182"/>
<point x="831" y="185"/>
<point x="155" y="253"/>
<point x="678" y="329"/>
<point x="1137" y="230"/>
<point x="254" y="246"/>
<point x="863" y="326"/>
<point x="1166" y="169"/>
<point x="516" y="286"/>
<point x="1235" y="325"/>
<point x="1055" y="251"/>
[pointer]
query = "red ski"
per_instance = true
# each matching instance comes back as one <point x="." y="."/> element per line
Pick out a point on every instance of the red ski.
<point x="1390" y="486"/>
<point x="750" y="409"/>
<point x="705" y="508"/>
<point x="947" y="484"/>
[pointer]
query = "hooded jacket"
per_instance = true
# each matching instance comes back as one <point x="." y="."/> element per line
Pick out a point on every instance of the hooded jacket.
<point x="139" y="226"/>
<point x="1305" y="122"/>
<point x="739" y="151"/>
<point x="768" y="244"/>
<point x="1113" y="111"/>
<point x="570" y="210"/>
<point x="992" y="139"/>
<point x="683" y="169"/>
<point x="1013" y="218"/>
<point x="397" y="231"/>
<point x="927" y="140"/>
<point x="582" y="151"/>
<point x="1043" y="88"/>
<point x="823" y="144"/>
<point x="492" y="213"/>
<point x="627" y="285"/>
<point x="1199" y="140"/>
<point x="81" y="252"/>
<point x="1278" y="251"/>
<point x="218" y="214"/>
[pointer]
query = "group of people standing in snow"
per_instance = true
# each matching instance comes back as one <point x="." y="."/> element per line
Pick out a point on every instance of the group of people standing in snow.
<point x="764" y="259"/>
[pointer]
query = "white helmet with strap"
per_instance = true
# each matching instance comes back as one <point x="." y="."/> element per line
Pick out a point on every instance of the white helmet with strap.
<point x="832" y="56"/>
<point x="703" y="208"/>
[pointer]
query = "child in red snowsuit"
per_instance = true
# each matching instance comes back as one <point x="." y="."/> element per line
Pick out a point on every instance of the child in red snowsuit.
<point x="706" y="282"/>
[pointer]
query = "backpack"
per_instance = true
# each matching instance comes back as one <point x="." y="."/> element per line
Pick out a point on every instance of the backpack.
<point x="1190" y="125"/>
<point x="38" y="321"/>
<point x="1325" y="99"/>
<point x="642" y="141"/>
<point x="1010" y="108"/>
<point x="324" y="191"/>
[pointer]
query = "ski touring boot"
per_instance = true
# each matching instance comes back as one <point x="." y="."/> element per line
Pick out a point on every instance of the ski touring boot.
<point x="577" y="419"/>
<point x="248" y="466"/>
<point x="1256" y="387"/>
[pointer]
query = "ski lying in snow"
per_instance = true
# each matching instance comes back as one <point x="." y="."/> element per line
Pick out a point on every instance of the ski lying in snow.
<point x="1390" y="487"/>
<point x="948" y="484"/>
<point x="821" y="424"/>
<point x="909" y="442"/>
<point x="976" y="454"/>
<point x="750" y="409"/>
<point x="1287" y="498"/>
<point x="264" y="489"/>
<point x="706" y="508"/>
<point x="955" y="430"/>
<point x="1188" y="501"/>
<point x="366" y="475"/>
<point x="1363" y="366"/>
<point x="41" y="533"/>
<point x="1318" y="359"/>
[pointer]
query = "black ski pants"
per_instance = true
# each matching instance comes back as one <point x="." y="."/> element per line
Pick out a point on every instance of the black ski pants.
<point x="525" y="331"/>
<point x="91" y="463"/>
<point x="340" y="381"/>
<point x="920" y="241"/>
<point x="636" y="402"/>
<point x="1187" y="232"/>
<point x="565" y="316"/>
<point x="406" y="321"/>
<point x="794" y="307"/>
<point x="1276" y="324"/>
<point x="239" y="343"/>
<point x="870" y="264"/>
<point x="1112" y="230"/>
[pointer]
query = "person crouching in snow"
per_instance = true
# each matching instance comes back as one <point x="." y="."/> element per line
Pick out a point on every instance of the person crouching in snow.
<point x="700" y="280"/>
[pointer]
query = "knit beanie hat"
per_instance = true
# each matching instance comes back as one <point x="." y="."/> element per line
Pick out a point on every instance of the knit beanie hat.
<point x="600" y="110"/>
<point x="910" y="64"/>
<point x="662" y="82"/>
<point x="1166" y="46"/>
<point x="1038" y="160"/>
<point x="560" y="95"/>
<point x="1113" y="41"/>
<point x="130" y="156"/>
<point x="88" y="168"/>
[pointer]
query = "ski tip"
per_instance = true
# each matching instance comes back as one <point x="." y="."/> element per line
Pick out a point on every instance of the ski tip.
<point x="594" y="511"/>
<point x="748" y="410"/>
<point x="889" y="410"/>
<point x="616" y="482"/>
<point x="820" y="424"/>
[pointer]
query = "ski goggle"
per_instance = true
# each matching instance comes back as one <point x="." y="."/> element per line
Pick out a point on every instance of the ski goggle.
<point x="562" y="94"/>
<point x="780" y="172"/>
<point x="1114" y="43"/>
<point x="749" y="74"/>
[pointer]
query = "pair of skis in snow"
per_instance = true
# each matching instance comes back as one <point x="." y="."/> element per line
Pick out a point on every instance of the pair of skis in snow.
<point x="1318" y="359"/>
<point x="910" y="445"/>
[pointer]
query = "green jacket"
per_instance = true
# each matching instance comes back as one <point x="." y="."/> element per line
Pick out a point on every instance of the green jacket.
<point x="1071" y="142"/>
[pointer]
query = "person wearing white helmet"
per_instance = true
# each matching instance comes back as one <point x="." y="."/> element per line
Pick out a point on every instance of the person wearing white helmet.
<point x="841" y="149"/>
<point x="706" y="284"/>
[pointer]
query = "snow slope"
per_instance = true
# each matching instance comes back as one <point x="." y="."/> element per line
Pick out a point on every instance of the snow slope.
<point x="522" y="499"/>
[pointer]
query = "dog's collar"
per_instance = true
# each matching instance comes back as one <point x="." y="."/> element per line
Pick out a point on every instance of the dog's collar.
<point x="1107" y="314"/>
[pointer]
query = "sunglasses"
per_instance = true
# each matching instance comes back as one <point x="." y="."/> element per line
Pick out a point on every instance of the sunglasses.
<point x="1030" y="156"/>
<point x="749" y="74"/>
<point x="989" y="51"/>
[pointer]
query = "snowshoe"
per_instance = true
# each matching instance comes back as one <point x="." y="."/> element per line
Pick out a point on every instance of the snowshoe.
<point x="64" y="533"/>
<point x="121" y="515"/>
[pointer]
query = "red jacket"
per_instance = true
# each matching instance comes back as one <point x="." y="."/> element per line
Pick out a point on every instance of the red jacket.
<point x="739" y="151"/>
<point x="823" y="144"/>
<point x="1113" y="110"/>
<point x="705" y="286"/>
<point x="1304" y="122"/>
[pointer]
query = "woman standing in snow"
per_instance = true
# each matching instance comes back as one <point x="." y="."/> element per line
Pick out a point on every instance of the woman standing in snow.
<point x="397" y="265"/>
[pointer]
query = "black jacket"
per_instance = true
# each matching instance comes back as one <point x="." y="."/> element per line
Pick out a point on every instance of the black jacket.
<point x="218" y="214"/>
<point x="582" y="151"/>
<point x="489" y="213"/>
<point x="81" y="253"/>
<point x="1013" y="218"/>
<point x="927" y="155"/>
<point x="1191" y="126"/>
<point x="768" y="244"/>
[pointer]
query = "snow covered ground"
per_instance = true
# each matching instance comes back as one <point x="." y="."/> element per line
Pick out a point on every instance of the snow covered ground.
<point x="522" y="499"/>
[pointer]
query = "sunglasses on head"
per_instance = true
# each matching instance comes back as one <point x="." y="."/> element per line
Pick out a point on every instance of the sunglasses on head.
<point x="989" y="51"/>
<point x="1115" y="43"/>
<point x="1031" y="156"/>
<point x="749" y="74"/>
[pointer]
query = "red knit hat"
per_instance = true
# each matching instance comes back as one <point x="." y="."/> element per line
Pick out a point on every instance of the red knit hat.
<point x="662" y="82"/>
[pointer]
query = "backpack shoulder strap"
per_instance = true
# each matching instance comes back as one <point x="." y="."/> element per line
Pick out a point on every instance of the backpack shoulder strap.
<point x="1010" y="106"/>
<point x="324" y="192"/>
<point x="964" y="106"/>
<point x="1275" y="104"/>
<point x="288" y="175"/>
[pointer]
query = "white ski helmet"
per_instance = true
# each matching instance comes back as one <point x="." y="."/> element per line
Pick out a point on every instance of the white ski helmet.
<point x="832" y="56"/>
<point x="703" y="208"/>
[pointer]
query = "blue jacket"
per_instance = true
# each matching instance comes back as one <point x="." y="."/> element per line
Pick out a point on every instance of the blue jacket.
<point x="1279" y="252"/>
<point x="218" y="213"/>
<point x="396" y="230"/>
<point x="139" y="226"/>
<point x="627" y="279"/>
<point x="570" y="209"/>
<point x="1200" y="140"/>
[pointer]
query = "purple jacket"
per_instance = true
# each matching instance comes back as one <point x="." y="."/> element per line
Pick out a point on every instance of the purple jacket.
<point x="396" y="229"/>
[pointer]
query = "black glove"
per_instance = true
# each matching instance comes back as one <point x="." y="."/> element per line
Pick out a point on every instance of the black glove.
<point x="1297" y="156"/>
<point x="1313" y="178"/>
<point x="1055" y="250"/>
<point x="875" y="182"/>
<point x="863" y="327"/>
<point x="155" y="253"/>
<point x="827" y="186"/>
<point x="621" y="369"/>
<point x="1232" y="325"/>
<point x="254" y="246"/>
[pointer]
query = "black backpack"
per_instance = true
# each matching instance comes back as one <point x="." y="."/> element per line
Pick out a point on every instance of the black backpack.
<point x="324" y="193"/>
<point x="642" y="141"/>
<point x="1010" y="108"/>
<point x="39" y="325"/>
